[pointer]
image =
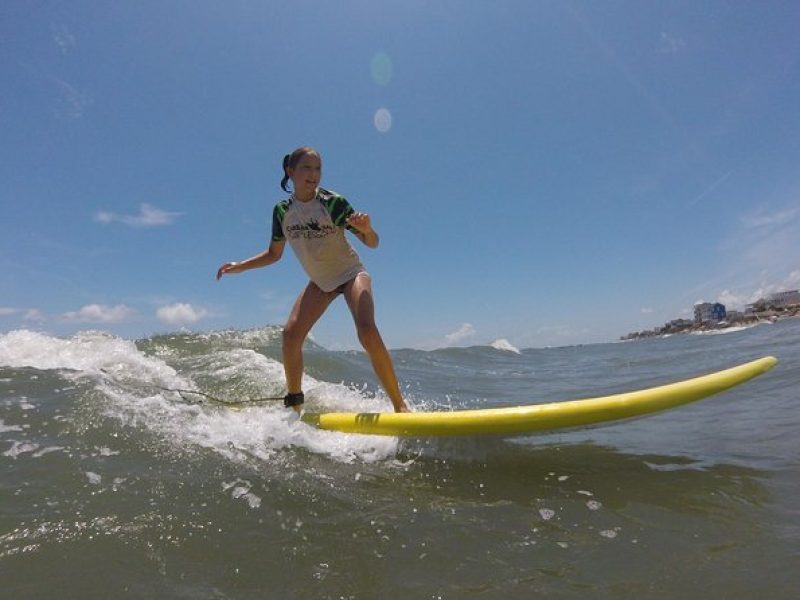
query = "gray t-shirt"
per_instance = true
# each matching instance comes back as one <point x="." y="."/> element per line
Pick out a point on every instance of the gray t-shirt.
<point x="315" y="230"/>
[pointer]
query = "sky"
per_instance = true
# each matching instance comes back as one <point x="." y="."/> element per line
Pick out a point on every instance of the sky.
<point x="544" y="172"/>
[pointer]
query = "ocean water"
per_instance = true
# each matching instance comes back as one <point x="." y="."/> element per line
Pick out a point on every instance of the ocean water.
<point x="113" y="487"/>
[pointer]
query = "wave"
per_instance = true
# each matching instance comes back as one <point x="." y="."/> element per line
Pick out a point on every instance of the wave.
<point x="131" y="378"/>
<point x="503" y="344"/>
<point x="725" y="331"/>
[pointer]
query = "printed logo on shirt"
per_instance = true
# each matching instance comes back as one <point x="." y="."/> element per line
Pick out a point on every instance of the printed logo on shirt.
<point x="309" y="230"/>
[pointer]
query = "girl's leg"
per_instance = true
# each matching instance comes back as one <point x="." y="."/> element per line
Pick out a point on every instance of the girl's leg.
<point x="307" y="310"/>
<point x="358" y="294"/>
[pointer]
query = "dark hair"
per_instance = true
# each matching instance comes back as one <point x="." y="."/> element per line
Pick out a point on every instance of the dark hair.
<point x="290" y="162"/>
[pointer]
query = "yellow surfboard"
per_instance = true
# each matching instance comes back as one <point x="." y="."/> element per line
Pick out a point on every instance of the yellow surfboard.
<point x="541" y="417"/>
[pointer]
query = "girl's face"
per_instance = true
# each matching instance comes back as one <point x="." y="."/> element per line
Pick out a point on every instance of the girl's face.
<point x="306" y="175"/>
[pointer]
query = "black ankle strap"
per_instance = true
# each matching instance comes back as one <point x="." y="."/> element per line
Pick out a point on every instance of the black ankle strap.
<point x="290" y="400"/>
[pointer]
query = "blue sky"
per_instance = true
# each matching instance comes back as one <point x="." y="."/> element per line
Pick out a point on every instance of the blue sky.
<point x="546" y="172"/>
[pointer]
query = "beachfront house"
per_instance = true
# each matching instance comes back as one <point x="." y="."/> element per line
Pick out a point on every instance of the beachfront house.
<point x="709" y="312"/>
<point x="784" y="299"/>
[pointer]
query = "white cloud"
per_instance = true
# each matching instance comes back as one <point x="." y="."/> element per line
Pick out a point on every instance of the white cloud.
<point x="464" y="332"/>
<point x="34" y="314"/>
<point x="5" y="311"/>
<point x="149" y="216"/>
<point x="63" y="38"/>
<point x="737" y="299"/>
<point x="732" y="300"/>
<point x="73" y="100"/>
<point x="761" y="256"/>
<point x="180" y="314"/>
<point x="763" y="219"/>
<point x="792" y="280"/>
<point x="99" y="313"/>
<point x="670" y="44"/>
<point x="648" y="311"/>
<point x="764" y="246"/>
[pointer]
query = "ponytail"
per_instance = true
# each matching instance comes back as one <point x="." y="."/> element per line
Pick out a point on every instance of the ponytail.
<point x="290" y="162"/>
<point x="286" y="161"/>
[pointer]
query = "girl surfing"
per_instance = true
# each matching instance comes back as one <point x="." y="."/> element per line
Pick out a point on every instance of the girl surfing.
<point x="314" y="220"/>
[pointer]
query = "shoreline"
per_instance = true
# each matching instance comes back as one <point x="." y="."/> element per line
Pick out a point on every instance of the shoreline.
<point x="768" y="316"/>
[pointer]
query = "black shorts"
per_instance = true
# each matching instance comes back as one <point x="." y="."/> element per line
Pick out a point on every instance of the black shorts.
<point x="340" y="290"/>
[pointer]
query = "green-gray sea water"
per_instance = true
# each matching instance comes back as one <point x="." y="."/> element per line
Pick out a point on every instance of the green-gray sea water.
<point x="114" y="488"/>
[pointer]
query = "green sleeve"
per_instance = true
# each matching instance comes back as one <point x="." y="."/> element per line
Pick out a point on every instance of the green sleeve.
<point x="339" y="209"/>
<point x="277" y="222"/>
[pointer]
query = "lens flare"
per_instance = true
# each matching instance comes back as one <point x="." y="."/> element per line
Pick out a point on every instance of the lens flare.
<point x="381" y="68"/>
<point x="383" y="120"/>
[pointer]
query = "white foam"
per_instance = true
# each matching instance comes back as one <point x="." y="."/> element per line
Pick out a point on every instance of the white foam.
<point x="609" y="533"/>
<point x="503" y="344"/>
<point x="87" y="351"/>
<point x="241" y="489"/>
<point x="18" y="448"/>
<point x="248" y="337"/>
<point x="593" y="505"/>
<point x="48" y="450"/>
<point x="129" y="379"/>
<point x="261" y="432"/>
<point x="724" y="331"/>
<point x="4" y="428"/>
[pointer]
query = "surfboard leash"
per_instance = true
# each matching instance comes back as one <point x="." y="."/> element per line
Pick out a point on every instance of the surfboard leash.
<point x="219" y="401"/>
<point x="211" y="398"/>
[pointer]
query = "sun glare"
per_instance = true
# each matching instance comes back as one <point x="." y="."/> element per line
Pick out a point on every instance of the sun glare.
<point x="383" y="120"/>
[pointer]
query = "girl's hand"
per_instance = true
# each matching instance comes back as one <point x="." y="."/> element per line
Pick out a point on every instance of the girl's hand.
<point x="229" y="267"/>
<point x="364" y="231"/>
<point x="360" y="221"/>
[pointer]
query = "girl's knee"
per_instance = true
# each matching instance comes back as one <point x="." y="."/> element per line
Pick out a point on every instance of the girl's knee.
<point x="293" y="335"/>
<point x="368" y="335"/>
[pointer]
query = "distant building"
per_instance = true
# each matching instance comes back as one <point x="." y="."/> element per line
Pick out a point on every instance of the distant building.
<point x="755" y="307"/>
<point x="679" y="324"/>
<point x="778" y="300"/>
<point x="784" y="299"/>
<point x="709" y="312"/>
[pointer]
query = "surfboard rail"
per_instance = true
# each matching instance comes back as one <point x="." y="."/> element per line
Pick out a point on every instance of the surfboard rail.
<point x="542" y="417"/>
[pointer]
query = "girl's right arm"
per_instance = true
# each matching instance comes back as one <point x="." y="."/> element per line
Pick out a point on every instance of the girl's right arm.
<point x="269" y="256"/>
